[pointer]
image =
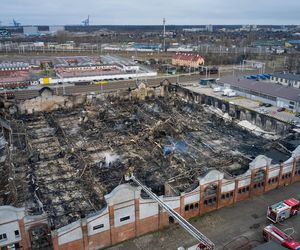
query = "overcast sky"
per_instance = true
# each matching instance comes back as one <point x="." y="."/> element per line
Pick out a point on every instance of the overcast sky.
<point x="194" y="12"/>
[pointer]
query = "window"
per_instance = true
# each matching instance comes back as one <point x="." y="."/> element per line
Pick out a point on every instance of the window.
<point x="98" y="226"/>
<point x="192" y="206"/>
<point x="3" y="236"/>
<point x="196" y="205"/>
<point x="125" y="218"/>
<point x="17" y="233"/>
<point x="186" y="208"/>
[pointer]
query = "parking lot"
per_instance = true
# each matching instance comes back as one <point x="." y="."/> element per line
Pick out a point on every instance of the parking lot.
<point x="286" y="115"/>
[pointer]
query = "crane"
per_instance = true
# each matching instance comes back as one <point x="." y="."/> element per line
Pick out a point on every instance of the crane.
<point x="205" y="243"/>
<point x="86" y="22"/>
<point x="16" y="24"/>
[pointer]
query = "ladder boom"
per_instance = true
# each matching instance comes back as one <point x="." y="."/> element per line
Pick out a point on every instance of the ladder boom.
<point x="184" y="223"/>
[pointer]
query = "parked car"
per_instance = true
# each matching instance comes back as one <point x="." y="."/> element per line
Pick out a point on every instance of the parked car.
<point x="262" y="104"/>
<point x="297" y="115"/>
<point x="280" y="109"/>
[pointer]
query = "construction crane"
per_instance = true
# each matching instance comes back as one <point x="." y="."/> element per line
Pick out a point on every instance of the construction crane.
<point x="205" y="243"/>
<point x="86" y="22"/>
<point x="16" y="24"/>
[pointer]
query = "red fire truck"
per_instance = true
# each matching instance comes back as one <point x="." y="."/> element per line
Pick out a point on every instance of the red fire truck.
<point x="283" y="210"/>
<point x="273" y="233"/>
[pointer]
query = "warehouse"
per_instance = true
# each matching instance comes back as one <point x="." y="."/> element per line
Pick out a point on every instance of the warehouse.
<point x="263" y="91"/>
<point x="87" y="69"/>
<point x="286" y="79"/>
<point x="67" y="185"/>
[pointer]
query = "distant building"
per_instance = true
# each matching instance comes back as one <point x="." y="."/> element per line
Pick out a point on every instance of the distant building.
<point x="267" y="92"/>
<point x="9" y="69"/>
<point x="4" y="33"/>
<point x="31" y="31"/>
<point x="54" y="29"/>
<point x="187" y="60"/>
<point x="286" y="79"/>
<point x="13" y="74"/>
<point x="209" y="28"/>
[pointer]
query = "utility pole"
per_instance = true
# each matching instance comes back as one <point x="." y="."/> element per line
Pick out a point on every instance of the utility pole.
<point x="164" y="34"/>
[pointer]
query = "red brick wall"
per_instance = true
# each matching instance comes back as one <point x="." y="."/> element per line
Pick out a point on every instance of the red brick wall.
<point x="122" y="233"/>
<point x="99" y="240"/>
<point x="76" y="244"/>
<point x="148" y="225"/>
<point x="25" y="242"/>
<point x="153" y="223"/>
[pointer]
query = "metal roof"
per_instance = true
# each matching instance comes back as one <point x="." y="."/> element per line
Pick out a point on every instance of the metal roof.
<point x="288" y="76"/>
<point x="264" y="87"/>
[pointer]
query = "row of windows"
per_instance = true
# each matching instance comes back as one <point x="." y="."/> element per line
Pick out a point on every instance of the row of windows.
<point x="273" y="180"/>
<point x="297" y="172"/>
<point x="210" y="201"/>
<point x="258" y="185"/>
<point x="243" y="190"/>
<point x="191" y="206"/>
<point x="285" y="176"/>
<point x="227" y="195"/>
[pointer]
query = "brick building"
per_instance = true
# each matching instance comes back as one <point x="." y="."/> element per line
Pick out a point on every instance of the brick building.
<point x="187" y="60"/>
<point x="128" y="215"/>
<point x="13" y="69"/>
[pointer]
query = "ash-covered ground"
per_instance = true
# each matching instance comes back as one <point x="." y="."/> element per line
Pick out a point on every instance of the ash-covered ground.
<point x="66" y="161"/>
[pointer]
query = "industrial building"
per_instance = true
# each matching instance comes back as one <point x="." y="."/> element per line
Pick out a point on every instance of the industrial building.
<point x="286" y="79"/>
<point x="63" y="186"/>
<point x="87" y="69"/>
<point x="263" y="91"/>
<point x="187" y="60"/>
<point x="56" y="28"/>
<point x="14" y="74"/>
<point x="31" y="31"/>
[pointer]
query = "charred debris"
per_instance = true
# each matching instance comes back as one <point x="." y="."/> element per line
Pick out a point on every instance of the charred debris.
<point x="65" y="161"/>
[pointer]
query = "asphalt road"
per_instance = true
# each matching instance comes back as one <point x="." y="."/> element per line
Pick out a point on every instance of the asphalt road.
<point x="231" y="227"/>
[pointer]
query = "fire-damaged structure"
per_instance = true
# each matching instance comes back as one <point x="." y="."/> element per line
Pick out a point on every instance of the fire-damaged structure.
<point x="62" y="181"/>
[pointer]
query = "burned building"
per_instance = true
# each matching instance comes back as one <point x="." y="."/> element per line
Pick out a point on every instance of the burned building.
<point x="66" y="168"/>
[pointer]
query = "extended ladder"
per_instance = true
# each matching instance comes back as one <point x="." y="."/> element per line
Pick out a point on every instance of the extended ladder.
<point x="184" y="223"/>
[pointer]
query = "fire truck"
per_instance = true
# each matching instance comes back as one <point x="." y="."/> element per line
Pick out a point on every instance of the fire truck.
<point x="273" y="233"/>
<point x="283" y="210"/>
